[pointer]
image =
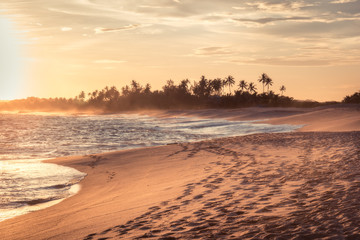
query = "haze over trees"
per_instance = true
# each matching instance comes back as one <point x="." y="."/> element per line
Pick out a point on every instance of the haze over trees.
<point x="205" y="93"/>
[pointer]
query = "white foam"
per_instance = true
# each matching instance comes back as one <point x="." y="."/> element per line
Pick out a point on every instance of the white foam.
<point x="28" y="137"/>
<point x="31" y="185"/>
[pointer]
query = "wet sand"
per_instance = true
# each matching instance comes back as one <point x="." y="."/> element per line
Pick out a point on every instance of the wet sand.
<point x="302" y="185"/>
<point x="327" y="118"/>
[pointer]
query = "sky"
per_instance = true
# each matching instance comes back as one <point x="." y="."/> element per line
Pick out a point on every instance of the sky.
<point x="56" y="48"/>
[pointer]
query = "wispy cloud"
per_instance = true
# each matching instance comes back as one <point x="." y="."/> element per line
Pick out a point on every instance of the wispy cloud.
<point x="109" y="61"/>
<point x="154" y="6"/>
<point x="280" y="6"/>
<point x="223" y="28"/>
<point x="66" y="29"/>
<point x="99" y="30"/>
<point x="343" y="1"/>
<point x="285" y="61"/>
<point x="206" y="51"/>
<point x="271" y="19"/>
<point x="165" y="38"/>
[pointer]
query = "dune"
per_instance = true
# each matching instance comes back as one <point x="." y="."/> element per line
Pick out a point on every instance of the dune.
<point x="304" y="184"/>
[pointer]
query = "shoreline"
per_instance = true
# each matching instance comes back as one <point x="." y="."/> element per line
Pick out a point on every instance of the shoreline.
<point x="38" y="204"/>
<point x="154" y="178"/>
<point x="54" y="188"/>
<point x="325" y="118"/>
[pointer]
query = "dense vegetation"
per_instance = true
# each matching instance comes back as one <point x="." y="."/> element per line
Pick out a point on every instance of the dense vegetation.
<point x="205" y="93"/>
<point x="355" y="98"/>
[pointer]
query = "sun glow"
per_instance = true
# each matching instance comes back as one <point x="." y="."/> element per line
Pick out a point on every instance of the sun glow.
<point x="70" y="46"/>
<point x="11" y="62"/>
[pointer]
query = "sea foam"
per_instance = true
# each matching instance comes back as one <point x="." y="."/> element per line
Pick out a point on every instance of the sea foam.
<point x="28" y="184"/>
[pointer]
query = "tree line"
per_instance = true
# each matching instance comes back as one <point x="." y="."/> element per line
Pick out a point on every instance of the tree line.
<point x="205" y="93"/>
<point x="354" y="98"/>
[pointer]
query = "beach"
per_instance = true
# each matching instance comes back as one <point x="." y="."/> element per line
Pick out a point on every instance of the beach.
<point x="304" y="184"/>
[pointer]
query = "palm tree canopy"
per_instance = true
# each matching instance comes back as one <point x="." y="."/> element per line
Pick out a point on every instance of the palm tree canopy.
<point x="229" y="81"/>
<point x="252" y="87"/>
<point x="184" y="84"/>
<point x="147" y="89"/>
<point x="135" y="86"/>
<point x="243" y="85"/>
<point x="282" y="89"/>
<point x="263" y="79"/>
<point x="217" y="85"/>
<point x="268" y="82"/>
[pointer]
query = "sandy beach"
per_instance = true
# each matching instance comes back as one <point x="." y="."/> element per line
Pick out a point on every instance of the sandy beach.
<point x="301" y="185"/>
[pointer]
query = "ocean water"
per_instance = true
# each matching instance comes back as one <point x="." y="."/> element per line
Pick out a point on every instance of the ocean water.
<point x="27" y="184"/>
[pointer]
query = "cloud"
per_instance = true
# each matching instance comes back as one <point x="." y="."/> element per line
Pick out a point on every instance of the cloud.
<point x="221" y="29"/>
<point x="336" y="29"/>
<point x="99" y="30"/>
<point x="343" y="1"/>
<point x="109" y="61"/>
<point x="238" y="8"/>
<point x="280" y="6"/>
<point x="271" y="19"/>
<point x="154" y="6"/>
<point x="282" y="61"/>
<point x="306" y="57"/>
<point x="66" y="29"/>
<point x="206" y="51"/>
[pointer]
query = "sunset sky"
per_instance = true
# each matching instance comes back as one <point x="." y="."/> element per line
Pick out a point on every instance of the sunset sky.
<point x="55" y="48"/>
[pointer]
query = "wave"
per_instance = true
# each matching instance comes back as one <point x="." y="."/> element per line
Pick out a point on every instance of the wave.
<point x="25" y="137"/>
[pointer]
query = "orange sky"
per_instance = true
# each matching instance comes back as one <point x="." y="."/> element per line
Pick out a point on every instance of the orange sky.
<point x="58" y="48"/>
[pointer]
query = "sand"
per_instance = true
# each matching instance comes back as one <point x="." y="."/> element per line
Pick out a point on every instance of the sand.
<point x="327" y="118"/>
<point x="304" y="184"/>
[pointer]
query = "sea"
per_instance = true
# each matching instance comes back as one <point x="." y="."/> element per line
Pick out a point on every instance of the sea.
<point x="28" y="184"/>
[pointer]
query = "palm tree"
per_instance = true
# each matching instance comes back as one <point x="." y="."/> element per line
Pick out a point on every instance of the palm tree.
<point x="184" y="86"/>
<point x="243" y="85"/>
<point x="282" y="89"/>
<point x="95" y="94"/>
<point x="169" y="88"/>
<point x="125" y="91"/>
<point x="202" y="88"/>
<point x="217" y="85"/>
<point x="184" y="83"/>
<point x="229" y="80"/>
<point x="147" y="89"/>
<point x="252" y="87"/>
<point x="135" y="87"/>
<point x="269" y="82"/>
<point x="263" y="79"/>
<point x="82" y="96"/>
